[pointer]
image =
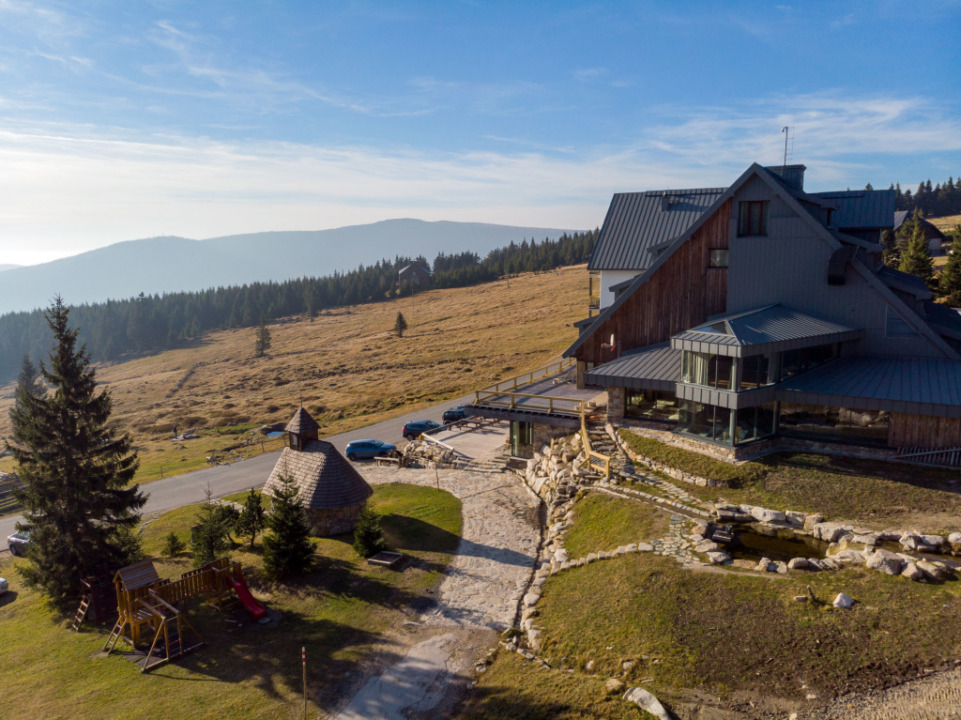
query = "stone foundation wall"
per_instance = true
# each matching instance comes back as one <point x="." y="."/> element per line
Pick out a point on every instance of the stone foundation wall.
<point x="543" y="434"/>
<point x="334" y="522"/>
<point x="616" y="403"/>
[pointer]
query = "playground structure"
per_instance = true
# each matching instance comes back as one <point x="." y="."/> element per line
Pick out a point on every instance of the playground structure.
<point x="150" y="607"/>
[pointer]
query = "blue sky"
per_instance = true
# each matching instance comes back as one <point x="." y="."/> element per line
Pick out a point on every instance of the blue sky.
<point x="121" y="120"/>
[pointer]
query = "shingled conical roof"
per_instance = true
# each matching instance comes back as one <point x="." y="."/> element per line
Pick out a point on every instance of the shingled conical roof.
<point x="325" y="478"/>
<point x="302" y="423"/>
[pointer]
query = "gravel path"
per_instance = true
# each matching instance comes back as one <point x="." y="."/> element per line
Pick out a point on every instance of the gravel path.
<point x="477" y="597"/>
<point x="937" y="697"/>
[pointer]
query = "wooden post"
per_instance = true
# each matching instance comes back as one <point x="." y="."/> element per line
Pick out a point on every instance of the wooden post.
<point x="303" y="660"/>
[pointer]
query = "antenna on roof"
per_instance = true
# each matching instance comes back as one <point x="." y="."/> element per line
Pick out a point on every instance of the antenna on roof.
<point x="787" y="134"/>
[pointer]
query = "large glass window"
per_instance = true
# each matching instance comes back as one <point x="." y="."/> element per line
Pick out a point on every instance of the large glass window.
<point x="755" y="372"/>
<point x="715" y="371"/>
<point x="652" y="405"/>
<point x="755" y="423"/>
<point x="832" y="424"/>
<point x="706" y="421"/>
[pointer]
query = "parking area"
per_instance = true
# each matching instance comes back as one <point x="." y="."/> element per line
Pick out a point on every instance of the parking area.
<point x="475" y="439"/>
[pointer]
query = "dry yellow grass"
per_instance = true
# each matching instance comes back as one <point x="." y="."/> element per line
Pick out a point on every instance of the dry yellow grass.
<point x="347" y="367"/>
<point x="945" y="224"/>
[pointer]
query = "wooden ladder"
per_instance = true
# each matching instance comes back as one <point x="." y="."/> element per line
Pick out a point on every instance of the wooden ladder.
<point x="115" y="634"/>
<point x="82" y="611"/>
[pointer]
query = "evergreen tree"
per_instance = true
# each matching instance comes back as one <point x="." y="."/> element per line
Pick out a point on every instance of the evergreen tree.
<point x="208" y="538"/>
<point x="173" y="545"/>
<point x="890" y="250"/>
<point x="916" y="257"/>
<point x="262" y="338"/>
<point x="74" y="468"/>
<point x="368" y="535"/>
<point x="950" y="285"/>
<point x="400" y="325"/>
<point x="252" y="520"/>
<point x="287" y="547"/>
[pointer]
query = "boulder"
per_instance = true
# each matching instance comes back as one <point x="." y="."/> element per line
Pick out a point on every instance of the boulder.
<point x="933" y="541"/>
<point x="913" y="572"/>
<point x="644" y="547"/>
<point x="828" y="532"/>
<point x="798" y="563"/>
<point x="766" y="515"/>
<point x="614" y="686"/>
<point x="935" y="570"/>
<point x="780" y="567"/>
<point x="884" y="561"/>
<point x="955" y="538"/>
<point x="816" y="564"/>
<point x="719" y="558"/>
<point x="765" y="565"/>
<point x="843" y="601"/>
<point x="910" y="541"/>
<point x="561" y="556"/>
<point x="795" y="518"/>
<point x="849" y="557"/>
<point x="647" y="702"/>
<point x="707" y="546"/>
<point x="811" y="520"/>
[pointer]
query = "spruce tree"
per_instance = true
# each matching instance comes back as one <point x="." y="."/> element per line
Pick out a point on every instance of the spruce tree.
<point x="208" y="538"/>
<point x="400" y="325"/>
<point x="262" y="342"/>
<point x="368" y="535"/>
<point x="75" y="469"/>
<point x="950" y="285"/>
<point x="890" y="251"/>
<point x="252" y="519"/>
<point x="287" y="547"/>
<point x="916" y="257"/>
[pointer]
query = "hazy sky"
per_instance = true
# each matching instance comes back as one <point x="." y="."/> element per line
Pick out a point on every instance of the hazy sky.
<point x="121" y="120"/>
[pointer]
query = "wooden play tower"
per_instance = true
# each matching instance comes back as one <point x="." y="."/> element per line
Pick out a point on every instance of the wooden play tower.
<point x="152" y="610"/>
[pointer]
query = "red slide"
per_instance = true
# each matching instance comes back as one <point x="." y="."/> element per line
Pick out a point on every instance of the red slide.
<point x="256" y="610"/>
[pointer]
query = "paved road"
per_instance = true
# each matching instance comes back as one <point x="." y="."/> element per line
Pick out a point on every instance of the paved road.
<point x="190" y="488"/>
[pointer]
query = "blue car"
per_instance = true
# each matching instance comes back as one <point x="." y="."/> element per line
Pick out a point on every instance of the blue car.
<point x="368" y="448"/>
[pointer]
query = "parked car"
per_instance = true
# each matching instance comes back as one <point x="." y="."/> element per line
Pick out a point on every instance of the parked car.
<point x="416" y="427"/>
<point x="18" y="543"/>
<point x="454" y="414"/>
<point x="4" y="586"/>
<point x="368" y="449"/>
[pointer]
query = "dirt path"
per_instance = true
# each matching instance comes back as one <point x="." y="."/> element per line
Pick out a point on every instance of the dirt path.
<point x="477" y="598"/>
<point x="937" y="697"/>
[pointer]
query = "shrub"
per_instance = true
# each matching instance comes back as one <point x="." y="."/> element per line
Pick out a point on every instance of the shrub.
<point x="694" y="463"/>
<point x="173" y="545"/>
<point x="368" y="535"/>
<point x="287" y="547"/>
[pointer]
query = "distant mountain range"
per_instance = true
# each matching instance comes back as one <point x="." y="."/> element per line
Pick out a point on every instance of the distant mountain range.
<point x="173" y="264"/>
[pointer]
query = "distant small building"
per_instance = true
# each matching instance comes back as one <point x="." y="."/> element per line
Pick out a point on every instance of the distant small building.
<point x="332" y="491"/>
<point x="413" y="275"/>
<point x="935" y="237"/>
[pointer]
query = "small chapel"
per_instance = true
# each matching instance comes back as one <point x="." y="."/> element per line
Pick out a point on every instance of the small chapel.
<point x="332" y="491"/>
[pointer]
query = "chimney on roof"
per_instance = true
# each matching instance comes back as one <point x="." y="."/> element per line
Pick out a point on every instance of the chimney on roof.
<point x="792" y="175"/>
<point x="665" y="202"/>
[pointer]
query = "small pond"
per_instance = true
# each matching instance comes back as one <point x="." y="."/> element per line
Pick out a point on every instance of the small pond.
<point x="275" y="433"/>
<point x="754" y="543"/>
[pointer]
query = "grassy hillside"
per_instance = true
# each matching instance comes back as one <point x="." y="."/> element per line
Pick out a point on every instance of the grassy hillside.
<point x="347" y="367"/>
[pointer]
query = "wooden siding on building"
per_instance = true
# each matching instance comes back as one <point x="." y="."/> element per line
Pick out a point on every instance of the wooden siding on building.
<point x="923" y="431"/>
<point x="681" y="293"/>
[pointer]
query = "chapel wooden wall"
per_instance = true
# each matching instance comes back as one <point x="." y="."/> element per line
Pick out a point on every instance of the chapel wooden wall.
<point x="681" y="293"/>
<point x="923" y="431"/>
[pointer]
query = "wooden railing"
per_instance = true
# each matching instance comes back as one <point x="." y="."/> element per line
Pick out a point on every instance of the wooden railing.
<point x="526" y="379"/>
<point x="534" y="403"/>
<point x="948" y="457"/>
<point x="590" y="452"/>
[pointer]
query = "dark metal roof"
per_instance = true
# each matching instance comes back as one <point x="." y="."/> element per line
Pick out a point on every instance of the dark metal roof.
<point x="776" y="327"/>
<point x="861" y="208"/>
<point x="930" y="229"/>
<point x="905" y="282"/>
<point x="920" y="386"/>
<point x="944" y="319"/>
<point x="636" y="222"/>
<point x="655" y="367"/>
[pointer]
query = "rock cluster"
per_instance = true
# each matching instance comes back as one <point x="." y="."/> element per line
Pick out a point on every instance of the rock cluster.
<point x="557" y="469"/>
<point x="420" y="452"/>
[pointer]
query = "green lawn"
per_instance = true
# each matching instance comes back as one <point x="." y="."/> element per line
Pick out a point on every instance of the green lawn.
<point x="345" y="612"/>
<point x="726" y="631"/>
<point x="603" y="522"/>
